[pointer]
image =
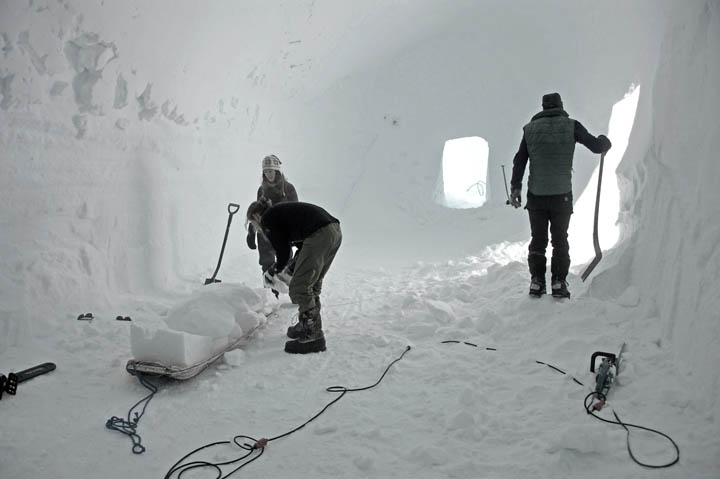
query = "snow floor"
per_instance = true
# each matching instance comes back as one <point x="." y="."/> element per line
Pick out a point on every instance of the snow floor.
<point x="444" y="410"/>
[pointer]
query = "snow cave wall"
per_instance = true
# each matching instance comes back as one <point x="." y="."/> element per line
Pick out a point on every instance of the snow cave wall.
<point x="670" y="205"/>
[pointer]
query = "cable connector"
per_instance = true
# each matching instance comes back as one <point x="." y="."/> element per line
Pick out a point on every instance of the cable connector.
<point x="260" y="444"/>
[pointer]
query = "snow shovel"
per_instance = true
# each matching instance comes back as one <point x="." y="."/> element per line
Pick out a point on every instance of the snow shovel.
<point x="232" y="209"/>
<point x="596" y="241"/>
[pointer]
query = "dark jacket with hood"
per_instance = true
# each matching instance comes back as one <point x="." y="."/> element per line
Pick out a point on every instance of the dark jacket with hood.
<point x="280" y="191"/>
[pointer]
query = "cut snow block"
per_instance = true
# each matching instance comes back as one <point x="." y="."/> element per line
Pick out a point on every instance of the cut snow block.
<point x="197" y="332"/>
<point x="177" y="348"/>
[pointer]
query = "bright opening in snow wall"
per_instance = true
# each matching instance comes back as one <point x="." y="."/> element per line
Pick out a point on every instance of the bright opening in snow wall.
<point x="464" y="173"/>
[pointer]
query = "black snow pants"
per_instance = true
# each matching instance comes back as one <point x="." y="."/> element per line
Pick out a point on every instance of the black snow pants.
<point x="554" y="210"/>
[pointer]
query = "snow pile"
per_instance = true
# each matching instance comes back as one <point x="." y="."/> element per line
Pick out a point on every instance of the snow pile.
<point x="203" y="325"/>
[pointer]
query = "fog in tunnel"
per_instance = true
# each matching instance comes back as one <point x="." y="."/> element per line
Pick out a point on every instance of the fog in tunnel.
<point x="126" y="128"/>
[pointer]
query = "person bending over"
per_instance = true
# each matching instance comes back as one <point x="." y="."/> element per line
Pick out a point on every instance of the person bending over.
<point x="309" y="225"/>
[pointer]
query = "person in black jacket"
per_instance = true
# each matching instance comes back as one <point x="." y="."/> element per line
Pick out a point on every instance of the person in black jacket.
<point x="288" y="224"/>
<point x="276" y="189"/>
<point x="549" y="144"/>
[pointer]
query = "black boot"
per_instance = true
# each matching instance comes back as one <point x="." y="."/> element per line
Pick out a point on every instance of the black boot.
<point x="560" y="288"/>
<point x="311" y="339"/>
<point x="537" y="287"/>
<point x="294" y="331"/>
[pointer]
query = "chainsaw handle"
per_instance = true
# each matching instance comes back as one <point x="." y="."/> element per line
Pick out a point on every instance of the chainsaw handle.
<point x="610" y="357"/>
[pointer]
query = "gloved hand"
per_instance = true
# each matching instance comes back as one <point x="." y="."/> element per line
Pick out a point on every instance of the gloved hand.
<point x="285" y="276"/>
<point x="271" y="279"/>
<point x="251" y="241"/>
<point x="272" y="270"/>
<point x="268" y="281"/>
<point x="606" y="145"/>
<point x="274" y="275"/>
<point x="516" y="197"/>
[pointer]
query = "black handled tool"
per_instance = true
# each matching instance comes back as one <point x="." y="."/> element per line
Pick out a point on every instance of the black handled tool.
<point x="507" y="202"/>
<point x="232" y="209"/>
<point x="10" y="382"/>
<point x="596" y="240"/>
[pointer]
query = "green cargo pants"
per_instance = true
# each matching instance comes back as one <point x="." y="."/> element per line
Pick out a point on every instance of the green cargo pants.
<point x="313" y="262"/>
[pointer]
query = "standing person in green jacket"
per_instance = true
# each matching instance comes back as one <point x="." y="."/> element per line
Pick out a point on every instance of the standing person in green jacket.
<point x="549" y="144"/>
<point x="276" y="189"/>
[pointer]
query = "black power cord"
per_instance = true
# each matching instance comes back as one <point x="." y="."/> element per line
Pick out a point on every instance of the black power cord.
<point x="258" y="445"/>
<point x="625" y="426"/>
<point x="589" y="410"/>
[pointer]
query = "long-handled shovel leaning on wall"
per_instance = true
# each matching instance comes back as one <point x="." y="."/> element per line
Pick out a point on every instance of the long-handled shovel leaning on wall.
<point x="232" y="209"/>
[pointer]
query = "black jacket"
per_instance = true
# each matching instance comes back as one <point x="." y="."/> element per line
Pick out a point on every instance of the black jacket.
<point x="286" y="224"/>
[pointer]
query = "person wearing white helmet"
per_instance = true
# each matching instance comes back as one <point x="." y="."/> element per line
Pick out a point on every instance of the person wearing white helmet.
<point x="276" y="189"/>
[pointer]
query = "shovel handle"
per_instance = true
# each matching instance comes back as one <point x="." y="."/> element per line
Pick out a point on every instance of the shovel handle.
<point x="233" y="208"/>
<point x="507" y="194"/>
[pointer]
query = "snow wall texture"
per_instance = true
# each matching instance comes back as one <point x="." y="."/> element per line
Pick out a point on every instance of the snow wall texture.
<point x="127" y="128"/>
<point x="669" y="206"/>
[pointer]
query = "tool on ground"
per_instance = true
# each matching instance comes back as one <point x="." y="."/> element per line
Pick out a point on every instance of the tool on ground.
<point x="605" y="375"/>
<point x="9" y="383"/>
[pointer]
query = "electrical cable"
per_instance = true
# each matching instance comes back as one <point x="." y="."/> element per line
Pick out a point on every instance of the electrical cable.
<point x="628" y="425"/>
<point x="129" y="426"/>
<point x="256" y="447"/>
<point x="601" y="397"/>
<point x="260" y="444"/>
